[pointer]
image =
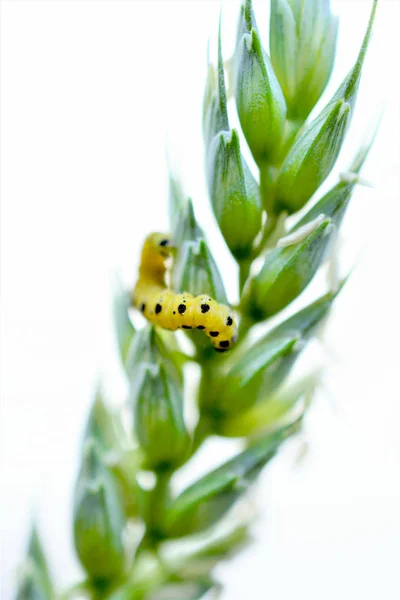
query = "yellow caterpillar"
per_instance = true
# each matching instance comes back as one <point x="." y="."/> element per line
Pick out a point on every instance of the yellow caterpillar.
<point x="178" y="311"/>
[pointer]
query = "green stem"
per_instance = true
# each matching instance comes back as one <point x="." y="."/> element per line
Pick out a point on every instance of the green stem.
<point x="244" y="271"/>
<point x="268" y="177"/>
<point x="293" y="127"/>
<point x="273" y="230"/>
<point x="200" y="434"/>
<point x="205" y="388"/>
<point x="266" y="234"/>
<point x="160" y="492"/>
<point x="205" y="399"/>
<point x="277" y="231"/>
<point x="183" y="358"/>
<point x="245" y="325"/>
<point x="269" y="174"/>
<point x="74" y="591"/>
<point x="157" y="503"/>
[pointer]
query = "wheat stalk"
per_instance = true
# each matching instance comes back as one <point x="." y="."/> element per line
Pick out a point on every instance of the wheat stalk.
<point x="134" y="536"/>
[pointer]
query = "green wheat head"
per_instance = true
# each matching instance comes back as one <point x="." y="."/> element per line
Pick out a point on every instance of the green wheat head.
<point x="135" y="537"/>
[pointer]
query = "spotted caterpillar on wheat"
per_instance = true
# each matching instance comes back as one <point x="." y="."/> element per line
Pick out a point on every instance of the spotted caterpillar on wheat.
<point x="178" y="311"/>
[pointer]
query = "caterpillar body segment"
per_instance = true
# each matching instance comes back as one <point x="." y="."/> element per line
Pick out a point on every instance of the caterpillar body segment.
<point x="178" y="311"/>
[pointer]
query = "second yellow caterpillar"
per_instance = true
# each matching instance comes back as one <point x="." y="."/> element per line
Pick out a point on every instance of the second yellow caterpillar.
<point x="178" y="311"/>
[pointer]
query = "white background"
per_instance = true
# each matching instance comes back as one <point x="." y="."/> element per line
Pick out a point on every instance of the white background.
<point x="91" y="94"/>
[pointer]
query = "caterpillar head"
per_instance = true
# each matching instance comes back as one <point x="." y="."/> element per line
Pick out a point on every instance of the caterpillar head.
<point x="160" y="243"/>
<point x="157" y="248"/>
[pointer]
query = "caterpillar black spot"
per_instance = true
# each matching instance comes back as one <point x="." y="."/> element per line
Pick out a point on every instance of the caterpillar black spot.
<point x="178" y="311"/>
